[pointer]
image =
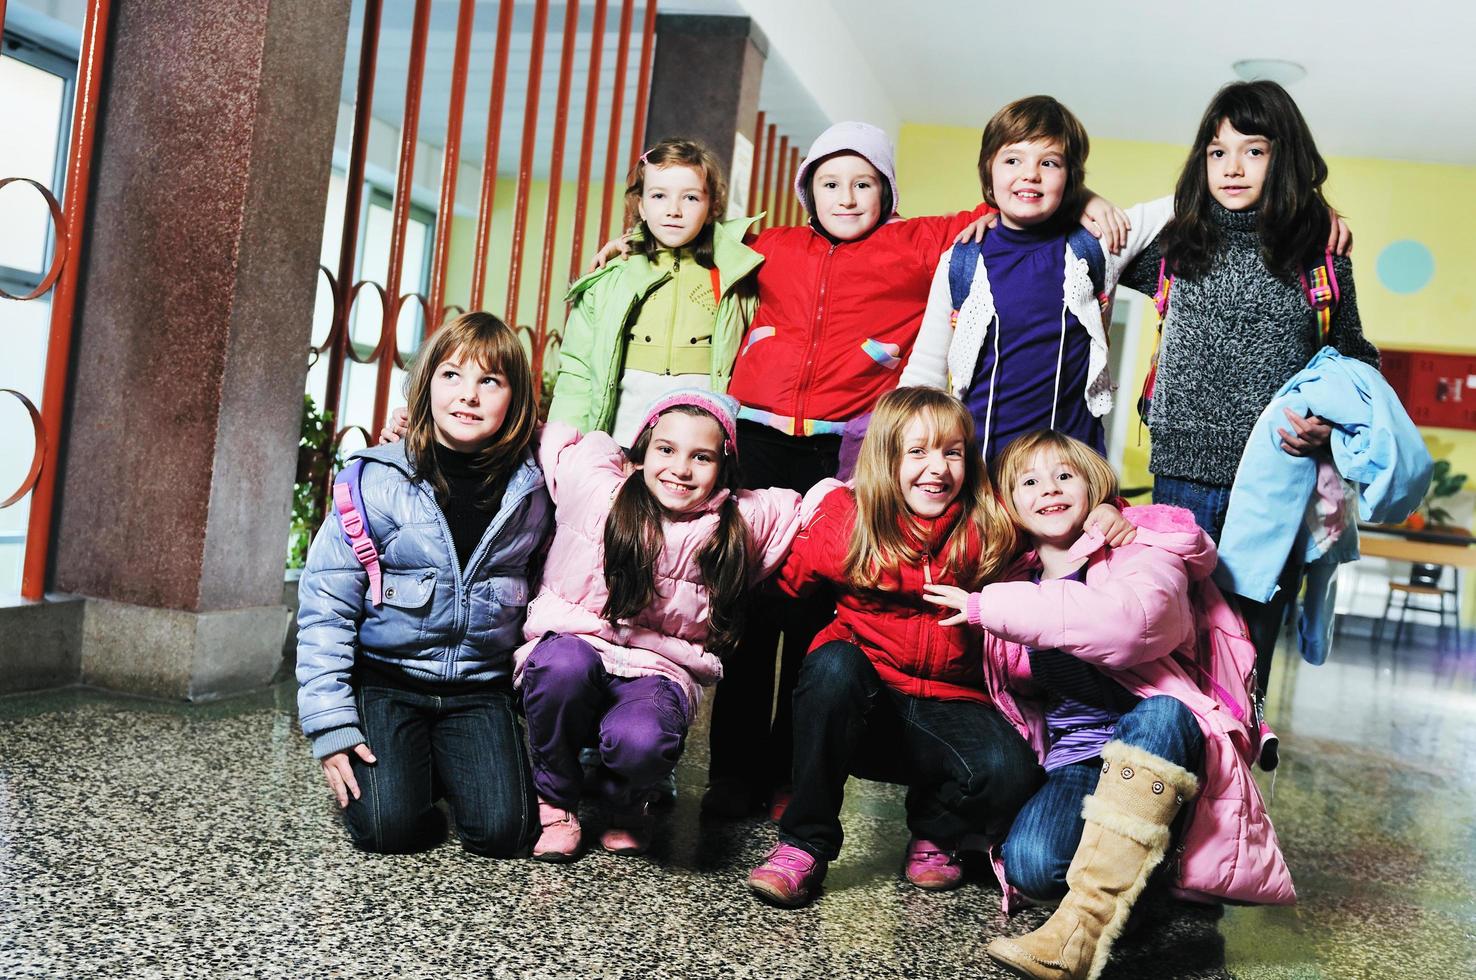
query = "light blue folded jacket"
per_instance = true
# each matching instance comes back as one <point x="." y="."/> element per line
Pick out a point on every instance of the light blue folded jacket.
<point x="1375" y="447"/>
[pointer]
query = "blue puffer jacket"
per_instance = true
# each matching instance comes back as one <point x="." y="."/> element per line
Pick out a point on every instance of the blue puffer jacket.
<point x="432" y="624"/>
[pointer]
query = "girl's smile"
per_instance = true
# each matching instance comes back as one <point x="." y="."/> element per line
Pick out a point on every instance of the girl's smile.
<point x="931" y="471"/>
<point x="681" y="464"/>
<point x="846" y="190"/>
<point x="1028" y="180"/>
<point x="1051" y="499"/>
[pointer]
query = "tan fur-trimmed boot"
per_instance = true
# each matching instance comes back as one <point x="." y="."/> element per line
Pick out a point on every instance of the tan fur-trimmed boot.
<point x="1125" y="838"/>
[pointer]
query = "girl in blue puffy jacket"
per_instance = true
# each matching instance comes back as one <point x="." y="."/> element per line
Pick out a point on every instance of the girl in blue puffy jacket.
<point x="404" y="650"/>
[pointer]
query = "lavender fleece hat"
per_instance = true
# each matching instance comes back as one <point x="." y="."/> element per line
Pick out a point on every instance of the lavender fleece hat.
<point x="722" y="407"/>
<point x="860" y="138"/>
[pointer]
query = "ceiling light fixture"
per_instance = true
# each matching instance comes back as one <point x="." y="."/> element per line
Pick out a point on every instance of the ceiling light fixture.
<point x="1270" y="69"/>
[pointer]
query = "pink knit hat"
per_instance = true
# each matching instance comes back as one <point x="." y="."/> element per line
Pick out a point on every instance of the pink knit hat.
<point x="722" y="407"/>
<point x="860" y="138"/>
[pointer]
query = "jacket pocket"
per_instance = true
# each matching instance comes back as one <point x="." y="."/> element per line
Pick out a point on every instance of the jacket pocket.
<point x="411" y="589"/>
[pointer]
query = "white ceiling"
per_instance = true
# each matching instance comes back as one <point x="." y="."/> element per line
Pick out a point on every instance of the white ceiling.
<point x="1384" y="79"/>
<point x="1395" y="80"/>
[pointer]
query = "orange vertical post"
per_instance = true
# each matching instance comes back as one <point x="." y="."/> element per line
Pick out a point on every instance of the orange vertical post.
<point x="643" y="82"/>
<point x="92" y="59"/>
<point x="617" y="109"/>
<point x="450" y="163"/>
<point x="586" y="141"/>
<point x="753" y="166"/>
<point x="525" y="161"/>
<point x="555" y="180"/>
<point x="495" y="102"/>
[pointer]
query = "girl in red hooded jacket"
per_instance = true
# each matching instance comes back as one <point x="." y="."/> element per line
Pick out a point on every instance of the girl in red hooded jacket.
<point x="887" y="692"/>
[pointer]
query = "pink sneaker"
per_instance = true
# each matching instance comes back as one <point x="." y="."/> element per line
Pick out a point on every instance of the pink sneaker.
<point x="932" y="867"/>
<point x="629" y="832"/>
<point x="789" y="877"/>
<point x="560" y="839"/>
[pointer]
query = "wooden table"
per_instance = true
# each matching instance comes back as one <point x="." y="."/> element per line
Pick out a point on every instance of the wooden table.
<point x="1428" y="547"/>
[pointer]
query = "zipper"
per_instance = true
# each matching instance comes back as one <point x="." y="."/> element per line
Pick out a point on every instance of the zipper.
<point x="676" y="296"/>
<point x="818" y="331"/>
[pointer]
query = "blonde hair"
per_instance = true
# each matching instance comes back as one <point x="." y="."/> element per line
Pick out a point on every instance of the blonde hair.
<point x="483" y="338"/>
<point x="879" y="542"/>
<point x="1016" y="459"/>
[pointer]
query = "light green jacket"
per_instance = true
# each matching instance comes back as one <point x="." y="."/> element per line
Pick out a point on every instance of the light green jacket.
<point x="605" y="302"/>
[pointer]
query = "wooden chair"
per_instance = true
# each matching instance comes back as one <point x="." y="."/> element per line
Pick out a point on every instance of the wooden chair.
<point x="1424" y="582"/>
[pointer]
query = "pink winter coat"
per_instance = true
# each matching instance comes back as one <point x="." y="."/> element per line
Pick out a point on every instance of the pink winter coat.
<point x="583" y="475"/>
<point x="1131" y="617"/>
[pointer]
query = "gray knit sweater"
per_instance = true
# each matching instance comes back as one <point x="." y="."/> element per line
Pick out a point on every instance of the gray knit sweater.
<point x="1230" y="341"/>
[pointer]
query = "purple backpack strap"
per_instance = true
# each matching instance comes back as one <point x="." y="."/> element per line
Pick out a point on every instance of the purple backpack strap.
<point x="350" y="506"/>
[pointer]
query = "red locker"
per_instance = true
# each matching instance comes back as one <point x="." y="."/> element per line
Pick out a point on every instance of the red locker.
<point x="1437" y="389"/>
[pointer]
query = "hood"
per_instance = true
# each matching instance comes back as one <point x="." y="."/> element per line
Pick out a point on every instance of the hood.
<point x="860" y="138"/>
<point x="1167" y="528"/>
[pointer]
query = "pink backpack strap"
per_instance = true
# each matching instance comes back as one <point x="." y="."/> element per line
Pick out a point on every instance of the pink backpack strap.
<point x="1320" y="287"/>
<point x="349" y="505"/>
<point x="1161" y="297"/>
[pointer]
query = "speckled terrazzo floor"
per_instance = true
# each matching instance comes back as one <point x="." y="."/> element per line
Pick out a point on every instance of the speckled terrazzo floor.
<point x="142" y="839"/>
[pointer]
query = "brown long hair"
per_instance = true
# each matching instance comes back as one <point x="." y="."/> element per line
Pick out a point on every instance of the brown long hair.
<point x="1039" y="117"/>
<point x="489" y="342"/>
<point x="1291" y="217"/>
<point x="879" y="542"/>
<point x="677" y="153"/>
<point x="634" y="539"/>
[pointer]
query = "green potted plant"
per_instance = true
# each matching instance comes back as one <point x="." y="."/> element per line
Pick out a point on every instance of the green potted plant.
<point x="315" y="456"/>
<point x="1443" y="483"/>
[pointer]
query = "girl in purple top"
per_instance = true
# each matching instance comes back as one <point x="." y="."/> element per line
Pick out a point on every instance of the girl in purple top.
<point x="1028" y="349"/>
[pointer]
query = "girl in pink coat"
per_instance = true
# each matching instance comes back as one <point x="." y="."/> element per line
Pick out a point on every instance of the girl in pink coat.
<point x="641" y="598"/>
<point x="1092" y="654"/>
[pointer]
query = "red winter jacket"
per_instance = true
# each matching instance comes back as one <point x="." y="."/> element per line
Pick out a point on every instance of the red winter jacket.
<point x="896" y="628"/>
<point x="835" y="323"/>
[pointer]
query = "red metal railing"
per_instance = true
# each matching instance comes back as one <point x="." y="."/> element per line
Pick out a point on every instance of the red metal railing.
<point x="558" y="229"/>
<point x="69" y="219"/>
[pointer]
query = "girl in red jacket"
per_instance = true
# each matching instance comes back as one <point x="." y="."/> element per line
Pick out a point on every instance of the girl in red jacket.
<point x="887" y="692"/>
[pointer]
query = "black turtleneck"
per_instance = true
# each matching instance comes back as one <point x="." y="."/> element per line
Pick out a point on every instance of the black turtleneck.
<point x="468" y="507"/>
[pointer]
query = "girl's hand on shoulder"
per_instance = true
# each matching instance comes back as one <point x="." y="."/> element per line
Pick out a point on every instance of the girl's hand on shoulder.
<point x="1107" y="221"/>
<point x="339" y="772"/>
<point x="1339" y="236"/>
<point x="1309" y="436"/>
<point x="615" y="247"/>
<point x="976" y="228"/>
<point x="394" y="429"/>
<point x="1115" y="529"/>
<point x="951" y="597"/>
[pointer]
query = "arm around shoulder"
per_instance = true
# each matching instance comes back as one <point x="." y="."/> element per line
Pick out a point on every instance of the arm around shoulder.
<point x="927" y="365"/>
<point x="773" y="519"/>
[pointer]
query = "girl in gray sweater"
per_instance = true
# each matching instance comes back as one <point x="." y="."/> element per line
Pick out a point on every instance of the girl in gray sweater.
<point x="1250" y="221"/>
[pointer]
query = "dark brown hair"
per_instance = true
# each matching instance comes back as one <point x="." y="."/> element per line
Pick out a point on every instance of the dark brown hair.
<point x="483" y="338"/>
<point x="634" y="539"/>
<point x="1292" y="215"/>
<point x="677" y="153"/>
<point x="1039" y="117"/>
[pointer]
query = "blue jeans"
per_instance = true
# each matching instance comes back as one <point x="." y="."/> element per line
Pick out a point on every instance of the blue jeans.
<point x="1208" y="503"/>
<point x="966" y="769"/>
<point x="470" y="746"/>
<point x="1043" y="840"/>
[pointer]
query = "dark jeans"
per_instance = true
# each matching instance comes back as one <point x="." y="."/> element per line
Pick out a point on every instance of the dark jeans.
<point x="966" y="769"/>
<point x="471" y="745"/>
<point x="1043" y="840"/>
<point x="1208" y="503"/>
<point x="640" y="723"/>
<point x="750" y="740"/>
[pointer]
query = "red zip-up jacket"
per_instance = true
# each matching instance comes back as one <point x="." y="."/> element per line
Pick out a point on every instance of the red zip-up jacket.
<point x="835" y="323"/>
<point x="896" y="627"/>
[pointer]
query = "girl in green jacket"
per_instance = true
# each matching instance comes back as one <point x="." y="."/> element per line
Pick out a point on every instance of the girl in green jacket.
<point x="671" y="314"/>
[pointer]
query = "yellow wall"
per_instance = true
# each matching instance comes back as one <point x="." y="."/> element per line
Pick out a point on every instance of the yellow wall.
<point x="463" y="250"/>
<point x="1384" y="201"/>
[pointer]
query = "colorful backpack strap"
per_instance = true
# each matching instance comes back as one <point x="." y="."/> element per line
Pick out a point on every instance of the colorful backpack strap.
<point x="350" y="506"/>
<point x="1161" y="297"/>
<point x="1320" y="286"/>
<point x="961" y="269"/>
